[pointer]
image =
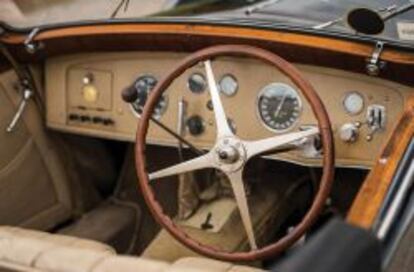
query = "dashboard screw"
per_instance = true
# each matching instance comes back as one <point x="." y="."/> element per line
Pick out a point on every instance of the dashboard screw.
<point x="383" y="161"/>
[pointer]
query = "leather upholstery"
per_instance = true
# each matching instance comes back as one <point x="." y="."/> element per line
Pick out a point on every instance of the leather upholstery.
<point x="35" y="188"/>
<point x="35" y="251"/>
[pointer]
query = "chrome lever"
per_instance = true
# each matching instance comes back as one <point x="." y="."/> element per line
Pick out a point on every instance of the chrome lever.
<point x="27" y="95"/>
<point x="182" y="108"/>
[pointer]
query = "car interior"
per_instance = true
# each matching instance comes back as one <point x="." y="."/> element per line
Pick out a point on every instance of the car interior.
<point x="194" y="147"/>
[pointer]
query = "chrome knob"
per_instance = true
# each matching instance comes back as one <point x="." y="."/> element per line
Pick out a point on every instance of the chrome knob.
<point x="348" y="133"/>
<point x="228" y="154"/>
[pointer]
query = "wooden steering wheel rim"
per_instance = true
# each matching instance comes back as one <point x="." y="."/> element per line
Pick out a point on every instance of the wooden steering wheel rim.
<point x="326" y="137"/>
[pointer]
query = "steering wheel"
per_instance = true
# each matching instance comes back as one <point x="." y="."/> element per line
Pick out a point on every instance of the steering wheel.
<point x="230" y="153"/>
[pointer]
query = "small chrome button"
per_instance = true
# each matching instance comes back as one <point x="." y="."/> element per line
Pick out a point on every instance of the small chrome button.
<point x="348" y="133"/>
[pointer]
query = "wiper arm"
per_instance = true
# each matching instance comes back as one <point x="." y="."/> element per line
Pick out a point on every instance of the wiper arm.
<point x="259" y="6"/>
<point x="124" y="3"/>
<point x="398" y="10"/>
<point x="329" y="23"/>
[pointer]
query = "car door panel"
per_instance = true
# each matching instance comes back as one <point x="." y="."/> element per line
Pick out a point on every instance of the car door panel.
<point x="34" y="187"/>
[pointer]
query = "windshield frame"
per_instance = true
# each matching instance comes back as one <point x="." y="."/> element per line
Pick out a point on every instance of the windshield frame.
<point x="215" y="21"/>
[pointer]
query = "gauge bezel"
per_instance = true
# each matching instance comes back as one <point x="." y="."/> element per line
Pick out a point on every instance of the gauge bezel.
<point x="165" y="97"/>
<point x="205" y="83"/>
<point x="259" y="116"/>
<point x="346" y="95"/>
<point x="235" y="80"/>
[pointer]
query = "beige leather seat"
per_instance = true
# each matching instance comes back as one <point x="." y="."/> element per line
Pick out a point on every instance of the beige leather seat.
<point x="29" y="250"/>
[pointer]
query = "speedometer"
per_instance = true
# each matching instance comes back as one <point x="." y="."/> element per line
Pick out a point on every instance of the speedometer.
<point x="279" y="106"/>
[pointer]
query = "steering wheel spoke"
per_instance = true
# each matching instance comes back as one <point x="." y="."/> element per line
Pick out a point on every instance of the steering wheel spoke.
<point x="202" y="162"/>
<point x="223" y="128"/>
<point x="255" y="148"/>
<point x="237" y="184"/>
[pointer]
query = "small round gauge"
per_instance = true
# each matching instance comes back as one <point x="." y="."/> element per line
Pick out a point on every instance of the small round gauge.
<point x="353" y="103"/>
<point x="228" y="85"/>
<point x="197" y="83"/>
<point x="143" y="86"/>
<point x="279" y="106"/>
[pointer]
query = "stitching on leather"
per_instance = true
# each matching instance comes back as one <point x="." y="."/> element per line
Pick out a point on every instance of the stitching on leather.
<point x="48" y="249"/>
<point x="99" y="261"/>
<point x="40" y="254"/>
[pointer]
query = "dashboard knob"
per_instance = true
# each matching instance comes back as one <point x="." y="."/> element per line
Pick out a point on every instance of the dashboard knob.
<point x="129" y="94"/>
<point x="348" y="133"/>
<point x="195" y="125"/>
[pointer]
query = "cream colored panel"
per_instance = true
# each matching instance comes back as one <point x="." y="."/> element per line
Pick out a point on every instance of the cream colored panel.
<point x="96" y="95"/>
<point x="332" y="86"/>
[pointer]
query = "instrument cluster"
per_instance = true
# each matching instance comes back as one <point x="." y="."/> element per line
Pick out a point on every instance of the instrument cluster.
<point x="278" y="105"/>
<point x="103" y="95"/>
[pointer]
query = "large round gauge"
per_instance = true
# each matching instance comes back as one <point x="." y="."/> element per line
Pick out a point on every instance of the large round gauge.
<point x="279" y="106"/>
<point x="143" y="86"/>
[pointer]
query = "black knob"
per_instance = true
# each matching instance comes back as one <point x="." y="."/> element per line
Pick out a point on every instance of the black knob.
<point x="97" y="120"/>
<point x="195" y="125"/>
<point x="129" y="94"/>
<point x="73" y="117"/>
<point x="107" y="121"/>
<point x="85" y="118"/>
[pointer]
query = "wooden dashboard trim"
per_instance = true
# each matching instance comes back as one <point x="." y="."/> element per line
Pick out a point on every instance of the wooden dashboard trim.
<point x="367" y="204"/>
<point x="312" y="41"/>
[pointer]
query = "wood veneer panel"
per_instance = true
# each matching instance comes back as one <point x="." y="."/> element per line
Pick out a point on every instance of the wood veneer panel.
<point x="295" y="47"/>
<point x="368" y="202"/>
<point x="325" y="43"/>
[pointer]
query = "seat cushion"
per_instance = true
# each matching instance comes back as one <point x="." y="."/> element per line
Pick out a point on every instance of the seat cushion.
<point x="48" y="251"/>
<point x="197" y="264"/>
<point x="34" y="251"/>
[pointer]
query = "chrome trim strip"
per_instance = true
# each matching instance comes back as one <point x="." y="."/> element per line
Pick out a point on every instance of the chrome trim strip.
<point x="397" y="204"/>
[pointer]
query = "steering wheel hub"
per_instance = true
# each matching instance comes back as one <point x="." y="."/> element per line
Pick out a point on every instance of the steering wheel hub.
<point x="230" y="154"/>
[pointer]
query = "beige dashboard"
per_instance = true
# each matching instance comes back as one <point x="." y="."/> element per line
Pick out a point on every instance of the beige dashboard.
<point x="99" y="110"/>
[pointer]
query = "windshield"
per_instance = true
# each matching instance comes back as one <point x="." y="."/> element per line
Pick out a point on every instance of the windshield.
<point x="321" y="15"/>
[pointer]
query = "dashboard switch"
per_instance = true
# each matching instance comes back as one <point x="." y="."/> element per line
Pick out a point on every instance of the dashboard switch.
<point x="73" y="117"/>
<point x="108" y="122"/>
<point x="97" y="120"/>
<point x="195" y="125"/>
<point x="129" y="94"/>
<point x="348" y="133"/>
<point x="376" y="117"/>
<point x="85" y="118"/>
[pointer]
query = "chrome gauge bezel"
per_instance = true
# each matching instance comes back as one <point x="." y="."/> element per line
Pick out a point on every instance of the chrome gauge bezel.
<point x="164" y="96"/>
<point x="348" y="94"/>
<point x="259" y="115"/>
<point x="204" y="81"/>
<point x="233" y="92"/>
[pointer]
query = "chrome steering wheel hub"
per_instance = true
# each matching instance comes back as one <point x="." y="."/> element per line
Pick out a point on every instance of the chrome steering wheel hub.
<point x="229" y="154"/>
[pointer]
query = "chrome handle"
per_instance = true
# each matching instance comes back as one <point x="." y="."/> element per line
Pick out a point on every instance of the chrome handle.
<point x="182" y="107"/>
<point x="27" y="94"/>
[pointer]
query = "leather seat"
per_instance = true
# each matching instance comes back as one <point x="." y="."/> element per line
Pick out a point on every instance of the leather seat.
<point x="35" y="251"/>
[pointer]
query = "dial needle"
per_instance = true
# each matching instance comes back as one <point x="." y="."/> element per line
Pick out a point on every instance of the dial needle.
<point x="279" y="108"/>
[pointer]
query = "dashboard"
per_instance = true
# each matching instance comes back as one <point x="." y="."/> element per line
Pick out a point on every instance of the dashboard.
<point x="102" y="95"/>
